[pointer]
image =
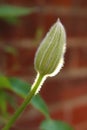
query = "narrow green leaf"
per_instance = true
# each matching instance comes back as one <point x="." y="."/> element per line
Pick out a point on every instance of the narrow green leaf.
<point x="12" y="20"/>
<point x="40" y="104"/>
<point x="4" y="82"/>
<point x="3" y="104"/>
<point x="10" y="50"/>
<point x="20" y="87"/>
<point x="12" y="100"/>
<point x="4" y="98"/>
<point x="14" y="11"/>
<point x="55" y="125"/>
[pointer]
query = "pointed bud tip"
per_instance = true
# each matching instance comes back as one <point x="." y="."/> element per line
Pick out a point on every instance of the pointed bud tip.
<point x="58" y="20"/>
<point x="59" y="24"/>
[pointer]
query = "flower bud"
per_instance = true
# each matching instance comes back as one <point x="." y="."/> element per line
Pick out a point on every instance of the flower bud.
<point x="50" y="55"/>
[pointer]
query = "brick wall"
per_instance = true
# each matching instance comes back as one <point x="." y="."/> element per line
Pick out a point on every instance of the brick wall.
<point x="65" y="94"/>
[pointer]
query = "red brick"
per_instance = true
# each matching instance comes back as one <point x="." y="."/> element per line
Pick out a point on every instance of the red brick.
<point x="83" y="57"/>
<point x="21" y="63"/>
<point x="26" y="28"/>
<point x="81" y="126"/>
<point x="22" y="3"/>
<point x="81" y="3"/>
<point x="59" y="2"/>
<point x="27" y="122"/>
<point x="72" y="58"/>
<point x="57" y="115"/>
<point x="66" y="92"/>
<point x="75" y="25"/>
<point x="63" y="90"/>
<point x="76" y="57"/>
<point x="80" y="114"/>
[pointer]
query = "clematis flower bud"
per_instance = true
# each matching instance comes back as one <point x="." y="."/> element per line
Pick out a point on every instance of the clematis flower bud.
<point x="50" y="54"/>
<point x="48" y="62"/>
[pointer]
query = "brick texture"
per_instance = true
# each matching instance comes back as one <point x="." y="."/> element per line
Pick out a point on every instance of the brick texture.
<point x="65" y="94"/>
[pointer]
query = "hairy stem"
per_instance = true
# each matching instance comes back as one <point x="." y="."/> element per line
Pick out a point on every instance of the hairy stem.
<point x="27" y="100"/>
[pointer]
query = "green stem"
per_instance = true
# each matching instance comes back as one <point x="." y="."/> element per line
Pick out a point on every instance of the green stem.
<point x="34" y="87"/>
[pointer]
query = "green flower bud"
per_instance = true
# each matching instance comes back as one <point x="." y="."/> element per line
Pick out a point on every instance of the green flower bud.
<point x="50" y="55"/>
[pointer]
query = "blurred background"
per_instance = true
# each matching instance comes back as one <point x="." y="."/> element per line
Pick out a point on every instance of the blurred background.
<point x="21" y="30"/>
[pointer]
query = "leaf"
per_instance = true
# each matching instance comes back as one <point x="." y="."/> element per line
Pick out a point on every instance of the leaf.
<point x="4" y="82"/>
<point x="3" y="104"/>
<point x="55" y="125"/>
<point x="22" y="88"/>
<point x="12" y="100"/>
<point x="40" y="105"/>
<point x="4" y="98"/>
<point x="14" y="11"/>
<point x="12" y="20"/>
<point x="10" y="13"/>
<point x="10" y="50"/>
